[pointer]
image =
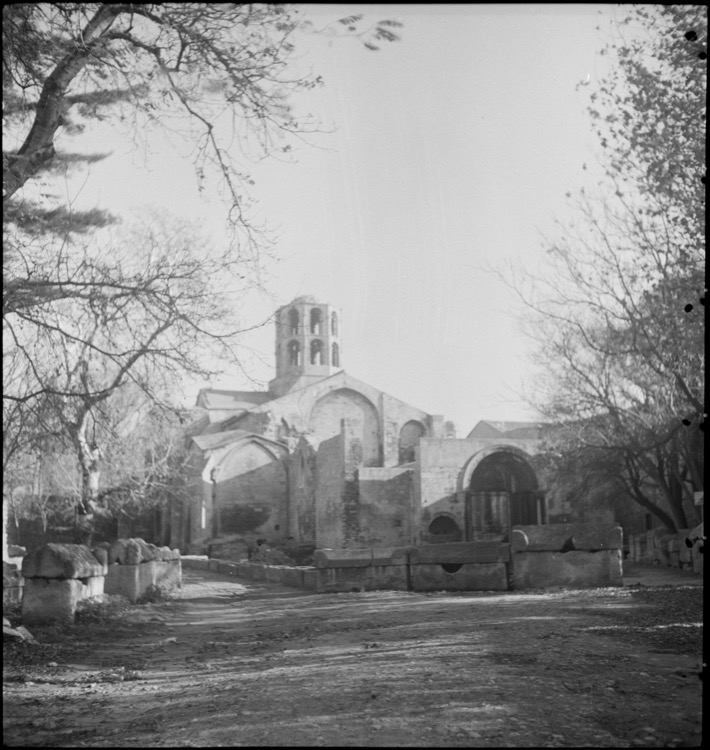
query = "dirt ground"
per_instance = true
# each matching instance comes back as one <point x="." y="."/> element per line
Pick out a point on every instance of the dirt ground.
<point x="233" y="664"/>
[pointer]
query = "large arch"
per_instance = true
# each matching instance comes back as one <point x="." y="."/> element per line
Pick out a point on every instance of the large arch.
<point x="251" y="490"/>
<point x="363" y="423"/>
<point x="501" y="490"/>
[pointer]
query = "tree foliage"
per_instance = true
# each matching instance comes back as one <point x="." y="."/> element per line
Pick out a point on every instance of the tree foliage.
<point x="619" y="305"/>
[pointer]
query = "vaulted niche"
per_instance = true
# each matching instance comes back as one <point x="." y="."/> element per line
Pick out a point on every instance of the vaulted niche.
<point x="409" y="440"/>
<point x="317" y="352"/>
<point x="316" y="321"/>
<point x="334" y="324"/>
<point x="335" y="356"/>
<point x="503" y="492"/>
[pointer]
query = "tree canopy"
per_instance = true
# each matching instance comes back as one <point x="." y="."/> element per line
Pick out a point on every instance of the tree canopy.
<point x="618" y="310"/>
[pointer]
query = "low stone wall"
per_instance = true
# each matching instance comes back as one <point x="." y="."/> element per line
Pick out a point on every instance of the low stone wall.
<point x="681" y="550"/>
<point x="304" y="577"/>
<point x="566" y="555"/>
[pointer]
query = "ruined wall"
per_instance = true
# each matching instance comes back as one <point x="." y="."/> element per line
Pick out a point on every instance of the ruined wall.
<point x="302" y="498"/>
<point x="385" y="505"/>
<point x="395" y="414"/>
<point x="329" y="488"/>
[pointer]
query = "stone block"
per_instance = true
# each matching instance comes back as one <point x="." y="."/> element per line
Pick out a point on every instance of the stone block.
<point x="332" y="580"/>
<point x="469" y="577"/>
<point x="147" y="550"/>
<point x="274" y="573"/>
<point x="15" y="550"/>
<point x="61" y="561"/>
<point x="685" y="556"/>
<point x="168" y="574"/>
<point x="258" y="572"/>
<point x="147" y="576"/>
<point x="101" y="554"/>
<point x="460" y="552"/>
<point x="310" y="578"/>
<point x="391" y="555"/>
<point x="50" y="600"/>
<point x="293" y="577"/>
<point x="93" y="586"/>
<point x="342" y="558"/>
<point x="518" y="540"/>
<point x="590" y="536"/>
<point x="12" y="585"/>
<point x="550" y="537"/>
<point x="125" y="552"/>
<point x="123" y="580"/>
<point x="388" y="578"/>
<point x="574" y="569"/>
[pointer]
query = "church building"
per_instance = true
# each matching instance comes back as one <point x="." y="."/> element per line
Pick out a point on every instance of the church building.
<point x="323" y="460"/>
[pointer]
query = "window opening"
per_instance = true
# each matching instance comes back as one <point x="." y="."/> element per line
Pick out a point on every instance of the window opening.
<point x="335" y="357"/>
<point x="316" y="352"/>
<point x="334" y="324"/>
<point x="293" y="320"/>
<point x="316" y="321"/>
<point x="294" y="353"/>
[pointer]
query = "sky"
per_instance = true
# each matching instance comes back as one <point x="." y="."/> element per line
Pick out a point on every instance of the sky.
<point x="442" y="154"/>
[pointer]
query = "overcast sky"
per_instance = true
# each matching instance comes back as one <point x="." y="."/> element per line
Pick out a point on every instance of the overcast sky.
<point x="450" y="149"/>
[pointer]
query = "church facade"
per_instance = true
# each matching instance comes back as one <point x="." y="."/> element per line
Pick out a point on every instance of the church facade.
<point x="323" y="460"/>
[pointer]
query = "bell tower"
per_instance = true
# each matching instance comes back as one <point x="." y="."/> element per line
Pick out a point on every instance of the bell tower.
<point x="307" y="344"/>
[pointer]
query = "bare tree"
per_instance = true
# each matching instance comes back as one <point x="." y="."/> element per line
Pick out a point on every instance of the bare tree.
<point x="617" y="309"/>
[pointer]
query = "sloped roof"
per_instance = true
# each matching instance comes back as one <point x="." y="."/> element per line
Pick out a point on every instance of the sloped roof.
<point x="525" y="430"/>
<point x="211" y="398"/>
<point x="218" y="439"/>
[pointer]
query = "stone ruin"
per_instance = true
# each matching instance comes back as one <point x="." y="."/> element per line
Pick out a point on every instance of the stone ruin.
<point x="57" y="577"/>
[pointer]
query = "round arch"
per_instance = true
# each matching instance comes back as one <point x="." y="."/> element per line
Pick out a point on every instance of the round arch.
<point x="362" y="419"/>
<point x="464" y="479"/>
<point x="409" y="440"/>
<point x="500" y="490"/>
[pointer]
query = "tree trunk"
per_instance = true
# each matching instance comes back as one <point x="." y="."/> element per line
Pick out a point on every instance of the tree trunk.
<point x="89" y="456"/>
<point x="38" y="147"/>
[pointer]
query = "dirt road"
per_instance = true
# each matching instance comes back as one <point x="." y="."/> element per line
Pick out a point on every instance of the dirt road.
<point x="230" y="664"/>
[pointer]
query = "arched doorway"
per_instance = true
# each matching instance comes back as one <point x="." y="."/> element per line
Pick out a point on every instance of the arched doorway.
<point x="502" y="492"/>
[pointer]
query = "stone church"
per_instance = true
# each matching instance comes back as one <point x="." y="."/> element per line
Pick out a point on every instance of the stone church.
<point x="323" y="460"/>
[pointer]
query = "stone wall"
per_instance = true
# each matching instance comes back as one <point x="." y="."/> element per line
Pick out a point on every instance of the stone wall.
<point x="563" y="555"/>
<point x="385" y="504"/>
<point x="330" y="485"/>
<point x="566" y="555"/>
<point x="683" y="550"/>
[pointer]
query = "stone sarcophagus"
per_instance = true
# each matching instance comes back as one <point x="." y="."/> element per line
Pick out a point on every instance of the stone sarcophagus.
<point x="56" y="578"/>
<point x="134" y="566"/>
